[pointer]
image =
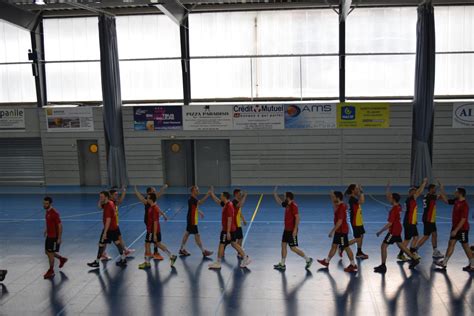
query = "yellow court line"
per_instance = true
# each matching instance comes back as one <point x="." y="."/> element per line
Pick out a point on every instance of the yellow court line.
<point x="253" y="218"/>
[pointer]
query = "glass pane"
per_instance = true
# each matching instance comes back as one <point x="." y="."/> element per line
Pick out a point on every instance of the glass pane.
<point x="277" y="77"/>
<point x="380" y="75"/>
<point x="14" y="43"/>
<point x="73" y="82"/>
<point x="454" y="28"/>
<point x="320" y="76"/>
<point x="17" y="83"/>
<point x="377" y="30"/>
<point x="151" y="80"/>
<point x="454" y="74"/>
<point x="220" y="78"/>
<point x="147" y="36"/>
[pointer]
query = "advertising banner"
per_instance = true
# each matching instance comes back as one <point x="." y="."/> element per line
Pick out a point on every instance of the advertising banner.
<point x="12" y="119"/>
<point x="264" y="116"/>
<point x="152" y="118"/>
<point x="78" y="119"/>
<point x="310" y="116"/>
<point x="207" y="117"/>
<point x="463" y="115"/>
<point x="363" y="115"/>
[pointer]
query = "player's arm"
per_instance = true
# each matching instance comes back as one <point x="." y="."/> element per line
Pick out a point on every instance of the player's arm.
<point x="214" y="197"/>
<point x="442" y="193"/>
<point x="336" y="227"/>
<point x="333" y="198"/>
<point x="458" y="227"/>
<point x="161" y="213"/>
<point x="122" y="196"/>
<point x="243" y="218"/>
<point x="155" y="231"/>
<point x="388" y="193"/>
<point x="297" y="223"/>
<point x="244" y="198"/>
<point x="276" y="197"/>
<point x="162" y="191"/>
<point x="384" y="228"/>
<point x="420" y="190"/>
<point x="99" y="205"/>
<point x="139" y="196"/>
<point x="205" y="197"/>
<point x="60" y="230"/>
<point x="229" y="223"/>
<point x="361" y="196"/>
<point x="108" y="220"/>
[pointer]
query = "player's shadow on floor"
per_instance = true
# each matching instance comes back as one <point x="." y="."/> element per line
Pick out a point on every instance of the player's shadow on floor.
<point x="156" y="285"/>
<point x="56" y="299"/>
<point x="290" y="296"/>
<point x="112" y="287"/>
<point x="194" y="276"/>
<point x="459" y="300"/>
<point x="3" y="291"/>
<point x="232" y="296"/>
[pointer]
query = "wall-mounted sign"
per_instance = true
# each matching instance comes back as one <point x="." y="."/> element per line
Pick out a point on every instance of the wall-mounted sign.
<point x="363" y="115"/>
<point x="259" y="116"/>
<point x="12" y="119"/>
<point x="207" y="117"/>
<point x="151" y="118"/>
<point x="463" y="115"/>
<point x="309" y="116"/>
<point x="77" y="119"/>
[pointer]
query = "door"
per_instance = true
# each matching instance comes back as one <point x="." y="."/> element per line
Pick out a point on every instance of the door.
<point x="212" y="162"/>
<point x="89" y="168"/>
<point x="178" y="162"/>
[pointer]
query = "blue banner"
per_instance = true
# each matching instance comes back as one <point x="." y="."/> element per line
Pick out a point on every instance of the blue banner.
<point x="153" y="118"/>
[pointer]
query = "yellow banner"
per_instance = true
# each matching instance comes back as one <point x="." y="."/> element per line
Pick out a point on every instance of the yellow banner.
<point x="363" y="115"/>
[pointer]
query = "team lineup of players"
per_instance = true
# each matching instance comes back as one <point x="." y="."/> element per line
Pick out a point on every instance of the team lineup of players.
<point x="232" y="220"/>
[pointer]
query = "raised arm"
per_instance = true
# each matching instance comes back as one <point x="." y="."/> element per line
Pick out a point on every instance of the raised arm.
<point x="162" y="191"/>
<point x="277" y="198"/>
<point x="442" y="193"/>
<point x="361" y="196"/>
<point x="213" y="196"/>
<point x="122" y="196"/>
<point x="201" y="201"/>
<point x="420" y="190"/>
<point x="244" y="198"/>
<point x="388" y="193"/>
<point x="139" y="196"/>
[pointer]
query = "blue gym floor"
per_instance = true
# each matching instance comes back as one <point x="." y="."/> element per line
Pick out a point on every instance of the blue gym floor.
<point x="191" y="289"/>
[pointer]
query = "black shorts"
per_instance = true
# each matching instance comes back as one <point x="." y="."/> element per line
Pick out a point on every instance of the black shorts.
<point x="112" y="236"/>
<point x="192" y="229"/>
<point x="223" y="238"/>
<point x="410" y="231"/>
<point x="358" y="231"/>
<point x="289" y="239"/>
<point x="462" y="236"/>
<point x="51" y="245"/>
<point x="239" y="234"/>
<point x="341" y="240"/>
<point x="150" y="237"/>
<point x="429" y="228"/>
<point x="390" y="239"/>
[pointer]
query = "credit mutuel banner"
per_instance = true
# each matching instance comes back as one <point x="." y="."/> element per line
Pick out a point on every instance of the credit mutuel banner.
<point x="264" y="116"/>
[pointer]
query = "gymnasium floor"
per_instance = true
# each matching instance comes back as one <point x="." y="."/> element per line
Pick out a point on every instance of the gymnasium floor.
<point x="191" y="289"/>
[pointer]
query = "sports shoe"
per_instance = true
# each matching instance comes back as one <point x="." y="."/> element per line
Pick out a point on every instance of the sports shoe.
<point x="3" y="274"/>
<point x="245" y="262"/>
<point x="414" y="263"/>
<point x="62" y="262"/>
<point x="184" y="252"/>
<point x="121" y="263"/>
<point x="351" y="268"/>
<point x="173" y="260"/>
<point x="105" y="257"/>
<point x="361" y="255"/>
<point x="207" y="253"/>
<point x="128" y="252"/>
<point x="323" y="262"/>
<point x="437" y="254"/>
<point x="215" y="266"/>
<point x="49" y="274"/>
<point x="402" y="258"/>
<point x="144" y="265"/>
<point x="440" y="264"/>
<point x="417" y="256"/>
<point x="93" y="264"/>
<point x="279" y="266"/>
<point x="380" y="269"/>
<point x="468" y="268"/>
<point x="308" y="263"/>
<point x="157" y="256"/>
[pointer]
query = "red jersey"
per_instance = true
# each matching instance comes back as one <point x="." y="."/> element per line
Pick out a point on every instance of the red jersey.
<point x="109" y="212"/>
<point x="153" y="215"/>
<point x="411" y="214"/>
<point x="394" y="219"/>
<point x="228" y="211"/>
<point x="291" y="210"/>
<point x="460" y="211"/>
<point x="341" y="214"/>
<point x="52" y="223"/>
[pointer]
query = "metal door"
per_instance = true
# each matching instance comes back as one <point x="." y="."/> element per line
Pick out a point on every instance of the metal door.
<point x="178" y="162"/>
<point x="89" y="167"/>
<point x="212" y="162"/>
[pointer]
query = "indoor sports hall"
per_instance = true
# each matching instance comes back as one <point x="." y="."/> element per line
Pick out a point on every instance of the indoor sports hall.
<point x="246" y="157"/>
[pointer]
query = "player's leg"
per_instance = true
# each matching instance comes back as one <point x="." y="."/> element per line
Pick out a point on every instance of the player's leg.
<point x="205" y="252"/>
<point x="220" y="252"/>
<point x="449" y="252"/>
<point x="332" y="252"/>
<point x="163" y="247"/>
<point x="182" y="248"/>
<point x="284" y="252"/>
<point x="148" y="240"/>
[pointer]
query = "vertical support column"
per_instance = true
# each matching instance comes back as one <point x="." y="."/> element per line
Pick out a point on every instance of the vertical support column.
<point x="185" y="63"/>
<point x="38" y="67"/>
<point x="342" y="54"/>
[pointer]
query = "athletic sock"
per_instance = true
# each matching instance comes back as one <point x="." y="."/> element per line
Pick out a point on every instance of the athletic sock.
<point x="201" y="247"/>
<point x="445" y="261"/>
<point x="306" y="258"/>
<point x="282" y="261"/>
<point x="435" y="249"/>
<point x="155" y="249"/>
<point x="327" y="260"/>
<point x="218" y="260"/>
<point x="100" y="252"/>
<point x="353" y="262"/>
<point x="359" y="250"/>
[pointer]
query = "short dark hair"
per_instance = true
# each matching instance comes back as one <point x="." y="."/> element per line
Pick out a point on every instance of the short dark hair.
<point x="350" y="189"/>
<point x="226" y="195"/>
<point x="152" y="196"/>
<point x="290" y="195"/>
<point x="462" y="191"/>
<point x="236" y="191"/>
<point x="112" y="191"/>
<point x="396" y="197"/>
<point x="48" y="199"/>
<point x="431" y="186"/>
<point x="106" y="194"/>
<point x="149" y="190"/>
<point x="339" y="195"/>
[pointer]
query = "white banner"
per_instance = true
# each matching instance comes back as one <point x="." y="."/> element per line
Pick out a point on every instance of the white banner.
<point x="463" y="115"/>
<point x="207" y="117"/>
<point x="12" y="119"/>
<point x="308" y="116"/>
<point x="261" y="116"/>
<point x="78" y="119"/>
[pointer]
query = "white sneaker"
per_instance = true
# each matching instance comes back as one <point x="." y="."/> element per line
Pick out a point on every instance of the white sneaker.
<point x="215" y="266"/>
<point x="245" y="262"/>
<point x="437" y="254"/>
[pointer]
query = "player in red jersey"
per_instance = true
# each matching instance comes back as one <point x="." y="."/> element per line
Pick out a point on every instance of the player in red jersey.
<point x="429" y="220"/>
<point x="410" y="220"/>
<point x="153" y="232"/>
<point x="192" y="220"/>
<point x="53" y="232"/>
<point x="394" y="235"/>
<point x="356" y="199"/>
<point x="290" y="232"/>
<point x="339" y="232"/>
<point x="141" y="198"/>
<point x="110" y="232"/>
<point x="459" y="228"/>
<point x="227" y="235"/>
